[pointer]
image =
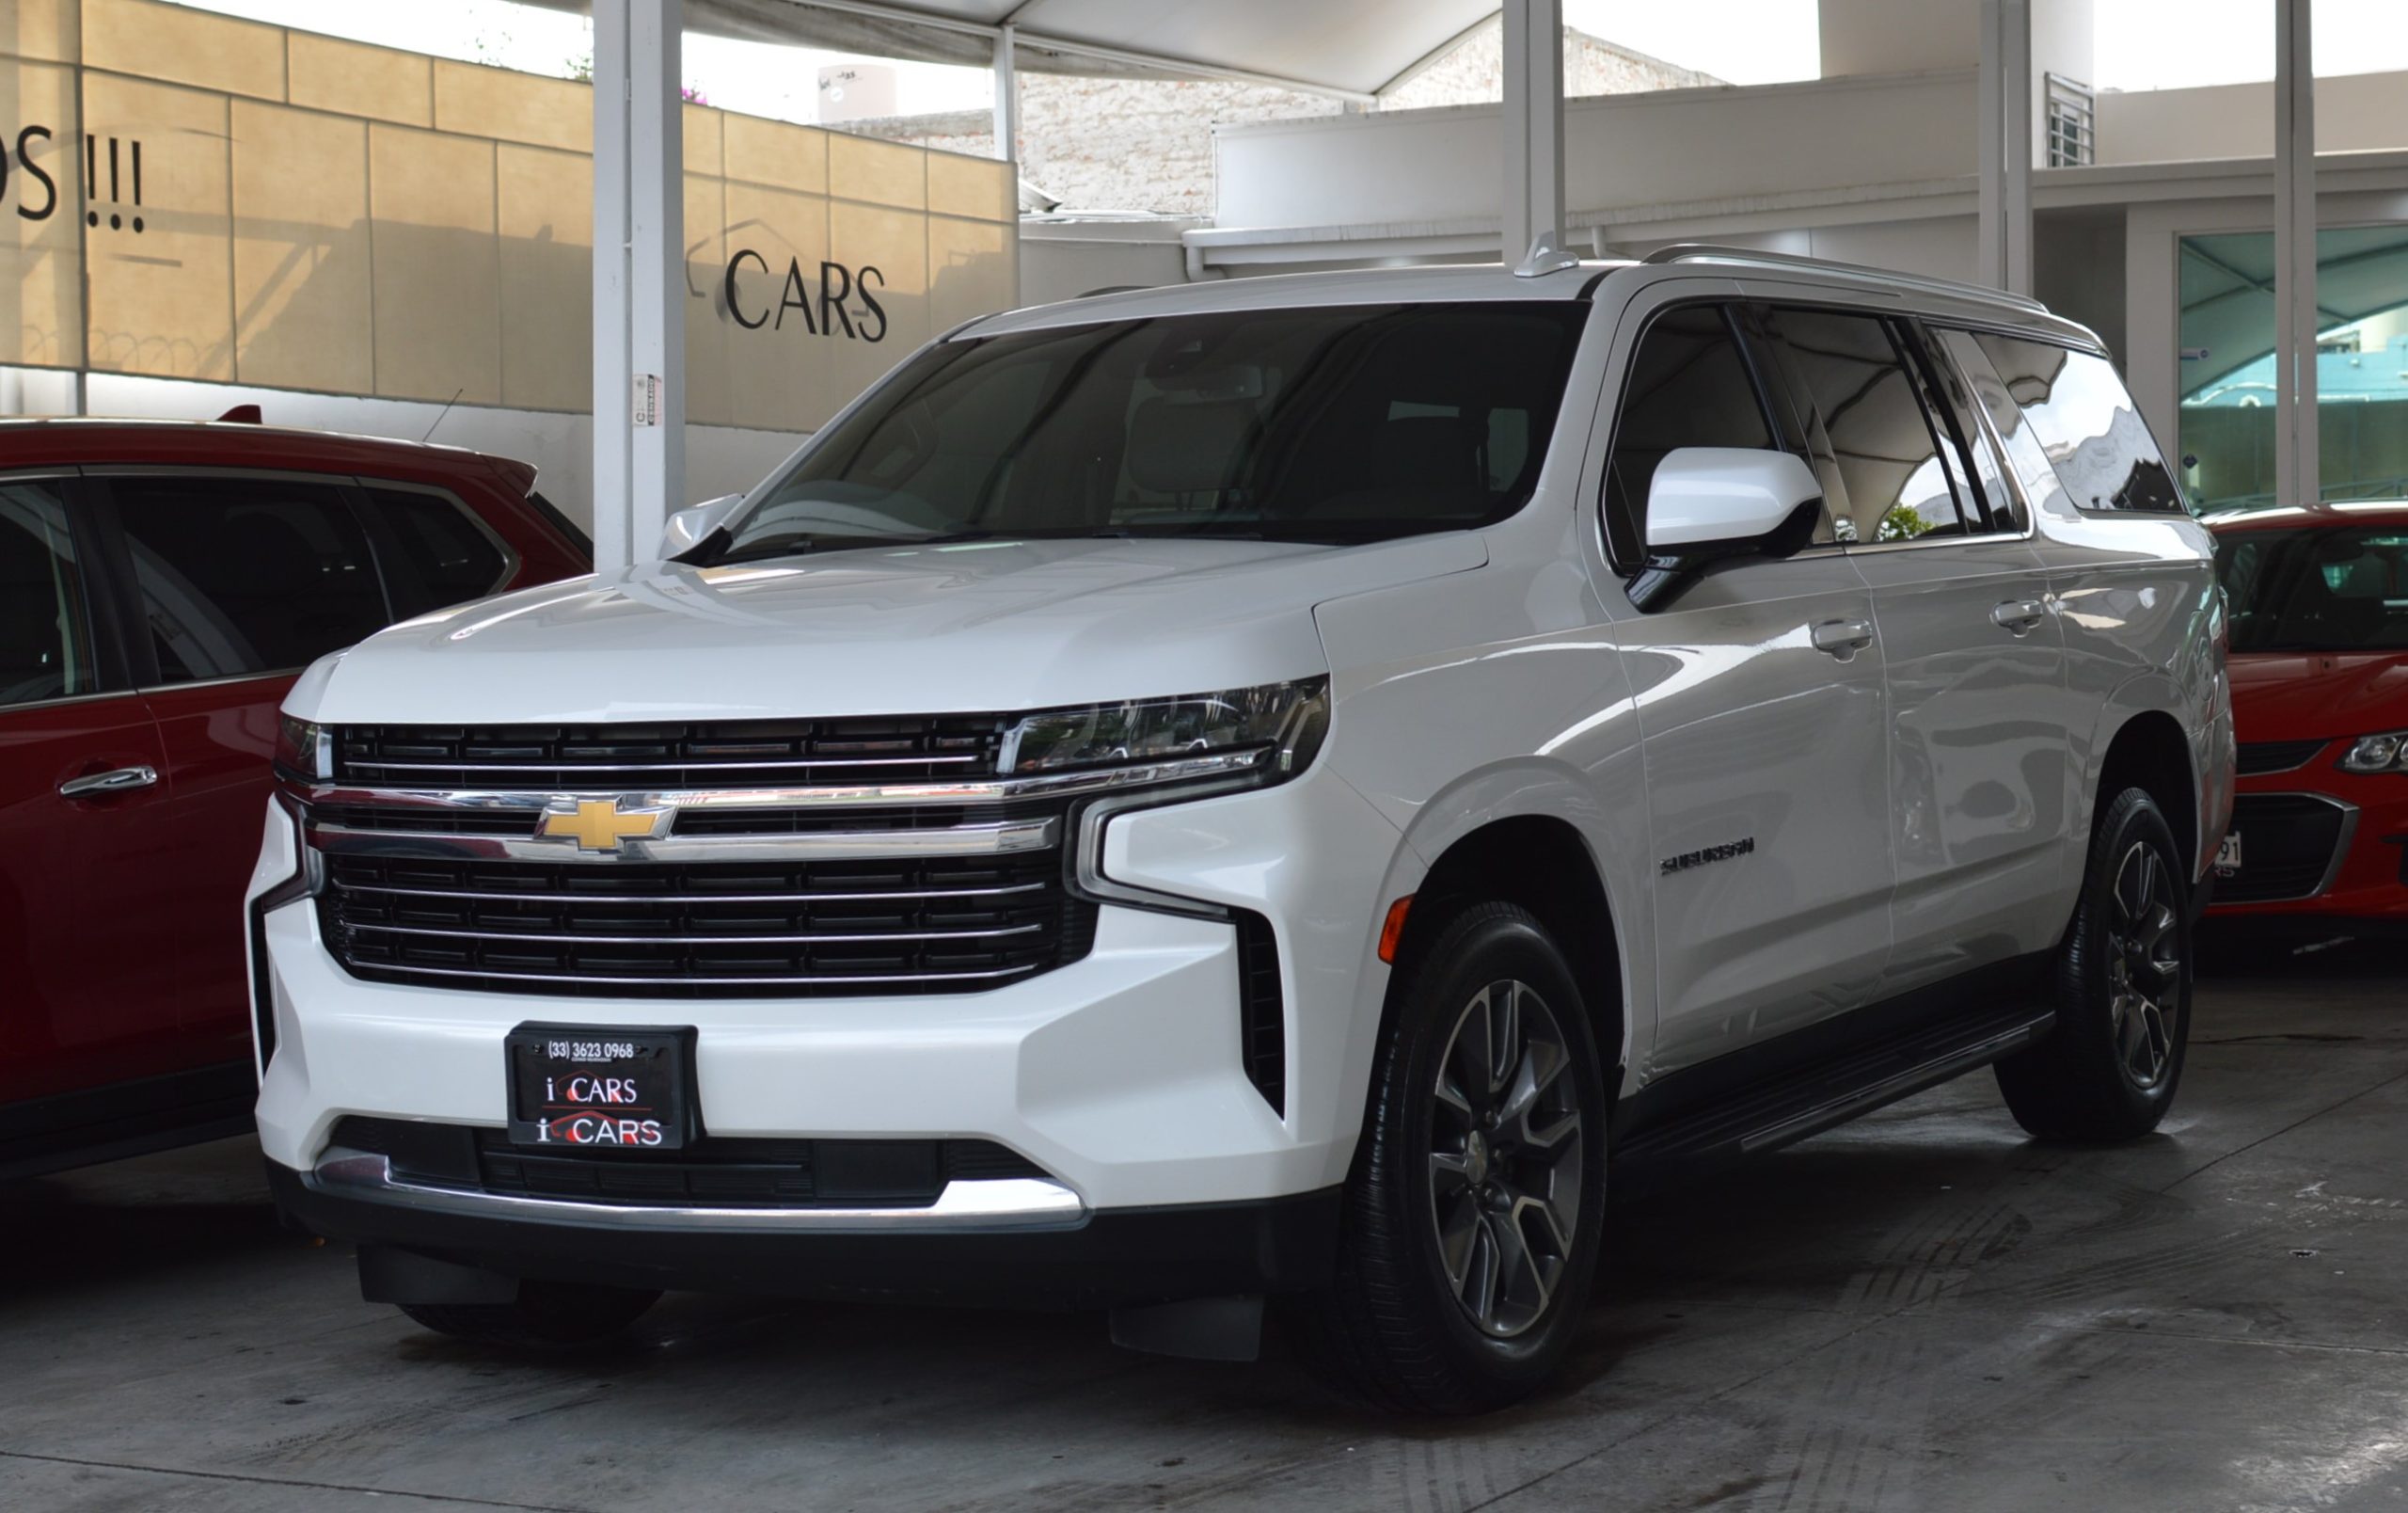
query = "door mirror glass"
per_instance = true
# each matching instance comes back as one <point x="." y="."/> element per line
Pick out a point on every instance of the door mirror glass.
<point x="689" y="527"/>
<point x="1721" y="502"/>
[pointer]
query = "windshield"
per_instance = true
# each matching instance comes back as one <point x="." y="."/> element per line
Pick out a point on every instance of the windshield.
<point x="1339" y="424"/>
<point x="2317" y="590"/>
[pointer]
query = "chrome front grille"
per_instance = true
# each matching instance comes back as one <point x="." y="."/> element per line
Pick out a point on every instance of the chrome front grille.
<point x="851" y="927"/>
<point x="607" y="883"/>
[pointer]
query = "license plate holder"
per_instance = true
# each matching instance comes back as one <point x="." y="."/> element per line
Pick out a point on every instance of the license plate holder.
<point x="608" y="1090"/>
<point x="2229" y="855"/>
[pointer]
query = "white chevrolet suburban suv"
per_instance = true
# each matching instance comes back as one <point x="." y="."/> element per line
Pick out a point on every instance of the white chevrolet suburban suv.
<point x="1286" y="791"/>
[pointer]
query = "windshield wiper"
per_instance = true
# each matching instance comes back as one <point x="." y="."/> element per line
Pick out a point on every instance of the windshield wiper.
<point x="804" y="545"/>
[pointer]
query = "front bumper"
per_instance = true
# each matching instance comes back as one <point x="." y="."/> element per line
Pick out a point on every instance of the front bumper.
<point x="1120" y="1075"/>
<point x="1070" y="1259"/>
<point x="2336" y="844"/>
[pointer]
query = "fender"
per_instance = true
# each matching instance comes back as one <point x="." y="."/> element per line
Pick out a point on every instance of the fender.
<point x="1533" y="788"/>
<point x="2206" y="719"/>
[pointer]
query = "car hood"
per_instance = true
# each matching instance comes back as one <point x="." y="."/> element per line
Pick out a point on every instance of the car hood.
<point x="967" y="627"/>
<point x="2303" y="695"/>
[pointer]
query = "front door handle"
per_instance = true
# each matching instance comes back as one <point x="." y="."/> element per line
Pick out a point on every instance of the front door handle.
<point x="1843" y="638"/>
<point x="2018" y="615"/>
<point x="116" y="780"/>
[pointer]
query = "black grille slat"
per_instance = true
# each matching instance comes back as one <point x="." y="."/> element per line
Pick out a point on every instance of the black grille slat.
<point x="2257" y="757"/>
<point x="485" y="758"/>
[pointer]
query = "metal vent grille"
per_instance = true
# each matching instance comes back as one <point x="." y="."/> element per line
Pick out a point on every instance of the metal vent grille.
<point x="845" y="929"/>
<point x="2288" y="847"/>
<point x="1263" y="1011"/>
<point x="2276" y="756"/>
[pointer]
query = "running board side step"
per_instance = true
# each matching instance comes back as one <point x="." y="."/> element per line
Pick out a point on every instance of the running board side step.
<point x="1819" y="1095"/>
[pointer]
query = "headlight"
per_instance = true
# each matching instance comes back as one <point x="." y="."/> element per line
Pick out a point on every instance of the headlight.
<point x="2378" y="753"/>
<point x="1270" y="732"/>
<point x="304" y="749"/>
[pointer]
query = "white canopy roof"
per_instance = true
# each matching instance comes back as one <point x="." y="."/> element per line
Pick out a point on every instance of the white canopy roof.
<point x="1348" y="48"/>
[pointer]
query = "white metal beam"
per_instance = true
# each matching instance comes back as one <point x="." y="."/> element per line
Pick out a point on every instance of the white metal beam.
<point x="1533" y="118"/>
<point x="2297" y="475"/>
<point x="1007" y="96"/>
<point x="638" y="277"/>
<point x="1071" y="47"/>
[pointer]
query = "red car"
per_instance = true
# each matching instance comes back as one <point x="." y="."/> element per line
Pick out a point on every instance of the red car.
<point x="2319" y="693"/>
<point x="161" y="583"/>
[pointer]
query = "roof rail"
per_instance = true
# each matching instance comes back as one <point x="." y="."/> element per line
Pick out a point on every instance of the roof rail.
<point x="1707" y="253"/>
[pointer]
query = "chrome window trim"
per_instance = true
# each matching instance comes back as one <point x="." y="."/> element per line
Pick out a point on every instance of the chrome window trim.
<point x="221" y="682"/>
<point x="1004" y="839"/>
<point x="1008" y="1203"/>
<point x="2341" y="844"/>
<point x="7" y="710"/>
<point x="536" y="801"/>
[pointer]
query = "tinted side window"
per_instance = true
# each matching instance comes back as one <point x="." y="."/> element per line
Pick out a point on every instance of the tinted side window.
<point x="1688" y="387"/>
<point x="45" y="636"/>
<point x="244" y="576"/>
<point x="2089" y="425"/>
<point x="1886" y="474"/>
<point x="440" y="554"/>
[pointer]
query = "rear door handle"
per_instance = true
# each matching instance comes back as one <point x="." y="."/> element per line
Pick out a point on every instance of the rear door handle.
<point x="116" y="780"/>
<point x="2018" y="615"/>
<point x="1843" y="638"/>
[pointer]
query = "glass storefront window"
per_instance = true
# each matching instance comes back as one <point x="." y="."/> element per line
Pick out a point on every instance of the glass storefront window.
<point x="2227" y="365"/>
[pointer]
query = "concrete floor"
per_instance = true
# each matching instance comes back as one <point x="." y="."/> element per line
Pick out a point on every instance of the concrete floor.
<point x="1922" y="1310"/>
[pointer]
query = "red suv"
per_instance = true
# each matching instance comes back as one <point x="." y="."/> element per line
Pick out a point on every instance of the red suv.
<point x="2320" y="695"/>
<point x="160" y="585"/>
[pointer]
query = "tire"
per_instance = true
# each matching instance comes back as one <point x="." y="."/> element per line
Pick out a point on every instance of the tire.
<point x="1392" y="1326"/>
<point x="2109" y="1070"/>
<point x="547" y="1314"/>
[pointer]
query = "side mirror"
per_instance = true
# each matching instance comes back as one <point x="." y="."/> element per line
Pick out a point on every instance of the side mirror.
<point x="1727" y="502"/>
<point x="689" y="527"/>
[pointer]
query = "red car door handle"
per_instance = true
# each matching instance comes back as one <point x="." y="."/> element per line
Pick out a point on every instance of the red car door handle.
<point x="116" y="780"/>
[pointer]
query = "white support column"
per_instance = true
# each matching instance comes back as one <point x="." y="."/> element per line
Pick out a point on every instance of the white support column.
<point x="1007" y="95"/>
<point x="2016" y="18"/>
<point x="1534" y="165"/>
<point x="638" y="277"/>
<point x="2002" y="139"/>
<point x="2297" y="474"/>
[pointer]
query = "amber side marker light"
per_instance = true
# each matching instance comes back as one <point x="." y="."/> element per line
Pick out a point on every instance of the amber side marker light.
<point x="1392" y="932"/>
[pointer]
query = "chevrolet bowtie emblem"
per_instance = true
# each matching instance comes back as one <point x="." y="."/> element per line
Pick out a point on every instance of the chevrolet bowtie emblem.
<point x="600" y="824"/>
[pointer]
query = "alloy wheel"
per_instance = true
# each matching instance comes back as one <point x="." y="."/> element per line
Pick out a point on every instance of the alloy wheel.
<point x="1505" y="1158"/>
<point x="2144" y="965"/>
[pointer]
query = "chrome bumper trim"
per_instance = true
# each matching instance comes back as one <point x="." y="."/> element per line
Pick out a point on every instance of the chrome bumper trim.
<point x="822" y="846"/>
<point x="534" y="801"/>
<point x="1010" y="1204"/>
